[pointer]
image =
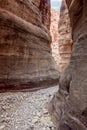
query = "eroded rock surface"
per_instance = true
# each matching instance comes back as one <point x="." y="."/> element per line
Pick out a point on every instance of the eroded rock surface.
<point x="55" y="35"/>
<point x="65" y="37"/>
<point x="68" y="108"/>
<point x="25" y="52"/>
<point x="54" y="25"/>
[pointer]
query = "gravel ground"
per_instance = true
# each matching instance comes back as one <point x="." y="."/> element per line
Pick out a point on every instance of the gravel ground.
<point x="26" y="110"/>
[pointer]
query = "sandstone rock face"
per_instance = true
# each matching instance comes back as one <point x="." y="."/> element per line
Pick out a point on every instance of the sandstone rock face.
<point x="65" y="38"/>
<point x="54" y="34"/>
<point x="69" y="105"/>
<point x="54" y="25"/>
<point x="25" y="53"/>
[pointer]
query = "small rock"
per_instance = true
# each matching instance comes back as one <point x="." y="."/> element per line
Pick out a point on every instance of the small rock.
<point x="45" y="111"/>
<point x="38" y="114"/>
<point x="35" y="120"/>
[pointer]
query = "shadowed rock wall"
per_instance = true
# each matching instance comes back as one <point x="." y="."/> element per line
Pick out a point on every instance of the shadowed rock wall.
<point x="68" y="107"/>
<point x="25" y="53"/>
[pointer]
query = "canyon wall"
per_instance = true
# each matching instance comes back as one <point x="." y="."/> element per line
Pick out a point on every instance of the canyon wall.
<point x="54" y="34"/>
<point x="61" y="36"/>
<point x="25" y="53"/>
<point x="54" y="25"/>
<point x="68" y="108"/>
<point x="64" y="37"/>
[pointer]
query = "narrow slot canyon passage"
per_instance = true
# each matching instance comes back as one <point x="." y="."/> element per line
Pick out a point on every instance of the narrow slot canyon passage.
<point x="43" y="65"/>
<point x="61" y="35"/>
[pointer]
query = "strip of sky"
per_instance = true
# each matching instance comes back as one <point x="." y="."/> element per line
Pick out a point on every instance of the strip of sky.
<point x="56" y="4"/>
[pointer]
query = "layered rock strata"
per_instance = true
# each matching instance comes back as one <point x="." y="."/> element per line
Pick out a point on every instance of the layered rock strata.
<point x="25" y="52"/>
<point x="69" y="105"/>
<point x="65" y="37"/>
<point x="54" y="25"/>
<point x="54" y="34"/>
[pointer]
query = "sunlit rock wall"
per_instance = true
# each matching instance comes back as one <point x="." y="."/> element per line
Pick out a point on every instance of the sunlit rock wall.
<point x="65" y="37"/>
<point x="55" y="35"/>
